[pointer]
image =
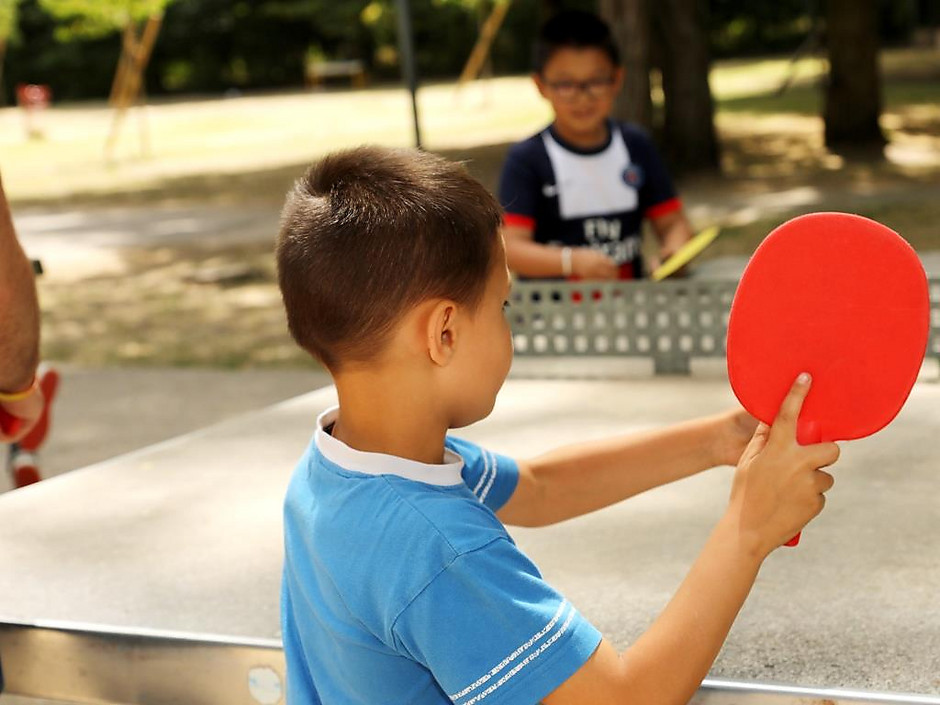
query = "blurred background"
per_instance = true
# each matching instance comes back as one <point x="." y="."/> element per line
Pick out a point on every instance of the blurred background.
<point x="146" y="146"/>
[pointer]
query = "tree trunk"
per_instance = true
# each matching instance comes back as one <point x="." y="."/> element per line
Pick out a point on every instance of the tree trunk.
<point x="629" y="21"/>
<point x="853" y="91"/>
<point x="689" y="138"/>
<point x="547" y="8"/>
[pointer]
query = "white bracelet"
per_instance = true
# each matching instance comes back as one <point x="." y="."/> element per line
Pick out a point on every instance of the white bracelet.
<point x="566" y="262"/>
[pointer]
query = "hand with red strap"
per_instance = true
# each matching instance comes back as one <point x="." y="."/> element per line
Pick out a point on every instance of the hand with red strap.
<point x="19" y="412"/>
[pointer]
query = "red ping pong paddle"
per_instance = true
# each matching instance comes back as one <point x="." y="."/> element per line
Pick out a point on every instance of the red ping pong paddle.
<point x="843" y="298"/>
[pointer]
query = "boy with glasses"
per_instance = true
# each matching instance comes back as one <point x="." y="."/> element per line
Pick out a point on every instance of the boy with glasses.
<point x="576" y="193"/>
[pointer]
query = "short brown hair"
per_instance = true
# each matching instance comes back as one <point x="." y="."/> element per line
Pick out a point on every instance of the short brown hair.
<point x="367" y="234"/>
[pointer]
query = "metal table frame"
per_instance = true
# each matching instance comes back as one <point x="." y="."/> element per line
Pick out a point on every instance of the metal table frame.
<point x="83" y="663"/>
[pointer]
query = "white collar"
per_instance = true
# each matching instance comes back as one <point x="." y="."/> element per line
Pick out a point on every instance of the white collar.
<point x="337" y="452"/>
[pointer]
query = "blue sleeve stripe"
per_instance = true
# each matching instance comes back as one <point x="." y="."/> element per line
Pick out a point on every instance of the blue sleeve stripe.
<point x="494" y="466"/>
<point x="551" y="632"/>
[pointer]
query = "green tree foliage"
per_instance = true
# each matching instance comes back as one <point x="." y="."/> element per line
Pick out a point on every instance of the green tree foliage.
<point x="7" y="18"/>
<point x="7" y="29"/>
<point x="742" y="27"/>
<point x="217" y="45"/>
<point x="97" y="18"/>
<point x="745" y="27"/>
<point x="220" y="45"/>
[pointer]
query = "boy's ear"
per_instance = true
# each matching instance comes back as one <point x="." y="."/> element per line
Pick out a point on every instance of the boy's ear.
<point x="442" y="332"/>
<point x="619" y="74"/>
<point x="540" y="84"/>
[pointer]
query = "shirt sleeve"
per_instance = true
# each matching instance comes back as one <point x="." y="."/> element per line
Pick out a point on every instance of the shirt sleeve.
<point x="518" y="190"/>
<point x="657" y="194"/>
<point x="488" y="627"/>
<point x="490" y="476"/>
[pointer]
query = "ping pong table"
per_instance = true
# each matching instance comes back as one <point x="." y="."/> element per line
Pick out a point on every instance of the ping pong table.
<point x="154" y="577"/>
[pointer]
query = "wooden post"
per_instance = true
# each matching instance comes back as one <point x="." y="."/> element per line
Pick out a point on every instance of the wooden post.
<point x="128" y="49"/>
<point x="484" y="43"/>
<point x="127" y="89"/>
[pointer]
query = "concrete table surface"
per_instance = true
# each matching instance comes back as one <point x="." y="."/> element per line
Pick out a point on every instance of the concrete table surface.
<point x="185" y="536"/>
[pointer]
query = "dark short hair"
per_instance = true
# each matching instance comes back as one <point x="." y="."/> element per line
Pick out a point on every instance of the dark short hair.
<point x="367" y="234"/>
<point x="574" y="29"/>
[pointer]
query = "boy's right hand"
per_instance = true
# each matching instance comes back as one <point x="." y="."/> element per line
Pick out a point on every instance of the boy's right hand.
<point x="778" y="486"/>
<point x="591" y="264"/>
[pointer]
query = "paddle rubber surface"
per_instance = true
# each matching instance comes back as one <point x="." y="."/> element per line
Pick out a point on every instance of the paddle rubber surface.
<point x="843" y="298"/>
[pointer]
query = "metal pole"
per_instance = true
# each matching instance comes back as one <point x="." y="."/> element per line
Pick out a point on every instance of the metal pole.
<point x="406" y="49"/>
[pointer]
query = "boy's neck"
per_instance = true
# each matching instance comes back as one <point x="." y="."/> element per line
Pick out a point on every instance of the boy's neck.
<point x="381" y="416"/>
<point x="584" y="140"/>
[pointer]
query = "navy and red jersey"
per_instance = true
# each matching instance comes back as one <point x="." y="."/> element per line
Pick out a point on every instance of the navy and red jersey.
<point x="588" y="198"/>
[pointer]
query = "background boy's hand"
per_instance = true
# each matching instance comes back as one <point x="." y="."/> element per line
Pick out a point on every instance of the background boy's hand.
<point x="778" y="486"/>
<point x="591" y="264"/>
<point x="735" y="428"/>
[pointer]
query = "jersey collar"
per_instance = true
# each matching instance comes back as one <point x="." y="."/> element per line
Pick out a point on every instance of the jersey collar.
<point x="553" y="133"/>
<point x="446" y="474"/>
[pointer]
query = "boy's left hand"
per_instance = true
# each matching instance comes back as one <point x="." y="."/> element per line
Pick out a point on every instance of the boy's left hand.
<point x="734" y="432"/>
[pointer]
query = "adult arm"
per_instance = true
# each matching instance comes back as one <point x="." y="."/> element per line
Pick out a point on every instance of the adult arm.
<point x="19" y="330"/>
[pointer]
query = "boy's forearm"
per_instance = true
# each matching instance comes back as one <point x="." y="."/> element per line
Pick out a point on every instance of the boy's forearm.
<point x="673" y="231"/>
<point x="532" y="259"/>
<point x="667" y="664"/>
<point x="584" y="477"/>
<point x="695" y="623"/>
<point x="19" y="309"/>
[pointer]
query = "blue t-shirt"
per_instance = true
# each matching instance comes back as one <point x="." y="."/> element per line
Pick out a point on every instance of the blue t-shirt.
<point x="588" y="198"/>
<point x="402" y="586"/>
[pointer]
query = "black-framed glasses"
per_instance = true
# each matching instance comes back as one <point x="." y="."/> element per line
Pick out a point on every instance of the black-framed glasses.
<point x="592" y="88"/>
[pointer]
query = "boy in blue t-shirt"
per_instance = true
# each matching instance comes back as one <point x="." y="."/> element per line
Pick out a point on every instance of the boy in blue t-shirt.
<point x="401" y="583"/>
<point x="576" y="193"/>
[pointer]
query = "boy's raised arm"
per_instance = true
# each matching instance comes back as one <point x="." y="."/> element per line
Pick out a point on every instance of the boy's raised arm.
<point x="581" y="478"/>
<point x="778" y="488"/>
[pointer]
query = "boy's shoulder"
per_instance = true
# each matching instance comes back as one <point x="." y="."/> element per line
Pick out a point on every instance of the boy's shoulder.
<point x="633" y="134"/>
<point x="531" y="147"/>
<point x="380" y="537"/>
<point x="448" y="517"/>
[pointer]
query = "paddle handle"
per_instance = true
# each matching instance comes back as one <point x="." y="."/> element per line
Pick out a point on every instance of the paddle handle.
<point x="807" y="433"/>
